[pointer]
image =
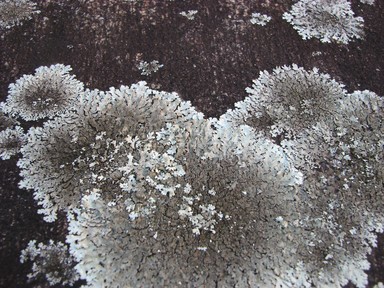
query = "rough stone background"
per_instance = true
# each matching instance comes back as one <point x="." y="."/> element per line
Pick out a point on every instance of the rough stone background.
<point x="209" y="61"/>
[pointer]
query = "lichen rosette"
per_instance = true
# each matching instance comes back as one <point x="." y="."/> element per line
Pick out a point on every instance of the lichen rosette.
<point x="326" y="20"/>
<point x="289" y="99"/>
<point x="48" y="92"/>
<point x="85" y="149"/>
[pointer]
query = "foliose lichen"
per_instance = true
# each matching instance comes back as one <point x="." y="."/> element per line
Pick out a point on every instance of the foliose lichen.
<point x="50" y="91"/>
<point x="51" y="261"/>
<point x="326" y="20"/>
<point x="284" y="190"/>
<point x="14" y="12"/>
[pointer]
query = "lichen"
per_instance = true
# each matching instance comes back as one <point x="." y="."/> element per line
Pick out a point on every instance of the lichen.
<point x="14" y="12"/>
<point x="287" y="100"/>
<point x="328" y="20"/>
<point x="284" y="190"/>
<point x="89" y="145"/>
<point x="51" y="261"/>
<point x="214" y="227"/>
<point x="50" y="91"/>
<point x="11" y="141"/>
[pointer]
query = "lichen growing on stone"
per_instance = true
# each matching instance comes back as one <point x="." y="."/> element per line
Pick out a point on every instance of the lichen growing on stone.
<point x="335" y="140"/>
<point x="11" y="141"/>
<point x="213" y="229"/>
<point x="51" y="261"/>
<point x="287" y="100"/>
<point x="284" y="190"/>
<point x="326" y="20"/>
<point x="342" y="190"/>
<point x="51" y="90"/>
<point x="14" y="12"/>
<point x="84" y="149"/>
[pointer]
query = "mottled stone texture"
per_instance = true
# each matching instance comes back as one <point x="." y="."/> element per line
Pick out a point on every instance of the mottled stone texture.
<point x="208" y="60"/>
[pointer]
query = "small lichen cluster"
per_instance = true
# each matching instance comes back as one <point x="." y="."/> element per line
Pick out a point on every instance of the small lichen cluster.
<point x="190" y="14"/>
<point x="51" y="261"/>
<point x="147" y="68"/>
<point x="13" y="12"/>
<point x="326" y="20"/>
<point x="260" y="19"/>
<point x="284" y="190"/>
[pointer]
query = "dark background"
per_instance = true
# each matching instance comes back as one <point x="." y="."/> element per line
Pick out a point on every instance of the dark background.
<point x="209" y="61"/>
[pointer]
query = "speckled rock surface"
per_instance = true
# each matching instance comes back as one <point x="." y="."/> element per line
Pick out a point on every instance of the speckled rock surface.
<point x="209" y="60"/>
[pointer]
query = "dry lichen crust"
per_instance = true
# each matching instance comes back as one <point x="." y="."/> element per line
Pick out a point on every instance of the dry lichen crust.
<point x="287" y="100"/>
<point x="83" y="149"/>
<point x="327" y="20"/>
<point x="50" y="91"/>
<point x="224" y="225"/>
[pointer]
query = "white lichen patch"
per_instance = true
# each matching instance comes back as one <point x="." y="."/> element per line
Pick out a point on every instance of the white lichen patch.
<point x="152" y="170"/>
<point x="205" y="217"/>
<point x="190" y="14"/>
<point x="51" y="90"/>
<point x="14" y="12"/>
<point x="260" y="19"/>
<point x="327" y="20"/>
<point x="147" y="68"/>
<point x="51" y="261"/>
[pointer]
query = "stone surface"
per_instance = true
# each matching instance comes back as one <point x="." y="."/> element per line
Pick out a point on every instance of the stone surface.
<point x="209" y="60"/>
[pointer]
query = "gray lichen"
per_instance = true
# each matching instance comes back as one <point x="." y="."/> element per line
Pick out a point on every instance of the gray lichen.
<point x="284" y="190"/>
<point x="11" y="141"/>
<point x="218" y="227"/>
<point x="50" y="91"/>
<point x="88" y="145"/>
<point x="327" y="20"/>
<point x="51" y="261"/>
<point x="287" y="100"/>
<point x="14" y="12"/>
